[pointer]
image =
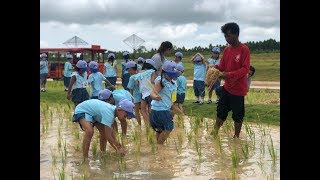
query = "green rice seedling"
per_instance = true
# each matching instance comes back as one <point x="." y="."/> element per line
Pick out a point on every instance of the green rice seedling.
<point x="235" y="158"/>
<point x="180" y="138"/>
<point x="59" y="131"/>
<point x="180" y="122"/>
<point x="198" y="148"/>
<point x="43" y="128"/>
<point x="262" y="150"/>
<point x="63" y="157"/>
<point x="65" y="148"/>
<point x="233" y="174"/>
<point x="59" y="142"/>
<point x="245" y="150"/>
<point x="84" y="176"/>
<point x="94" y="147"/>
<point x="77" y="134"/>
<point x="260" y="163"/>
<point x="176" y="146"/>
<point x="272" y="152"/>
<point x="207" y="126"/>
<point x="270" y="177"/>
<point x="218" y="139"/>
<point x="53" y="157"/>
<point x="189" y="135"/>
<point x="62" y="175"/>
<point x="77" y="148"/>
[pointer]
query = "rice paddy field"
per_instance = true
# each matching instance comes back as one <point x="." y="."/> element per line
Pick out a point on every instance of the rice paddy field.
<point x="190" y="151"/>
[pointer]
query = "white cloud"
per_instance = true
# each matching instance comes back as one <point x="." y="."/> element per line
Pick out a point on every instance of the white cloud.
<point x="186" y="23"/>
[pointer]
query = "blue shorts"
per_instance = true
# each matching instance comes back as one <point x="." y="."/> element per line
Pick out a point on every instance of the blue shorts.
<point x="148" y="99"/>
<point x="79" y="95"/>
<point x="87" y="117"/>
<point x="198" y="88"/>
<point x="66" y="81"/>
<point x="112" y="80"/>
<point x="43" y="77"/>
<point x="180" y="98"/>
<point x="125" y="81"/>
<point x="94" y="97"/>
<point x="161" y="120"/>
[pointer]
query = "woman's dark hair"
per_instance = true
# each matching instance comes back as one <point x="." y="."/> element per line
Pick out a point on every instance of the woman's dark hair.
<point x="148" y="66"/>
<point x="232" y="27"/>
<point x="164" y="46"/>
<point x="135" y="67"/>
<point x="162" y="72"/>
<point x="76" y="68"/>
<point x="111" y="59"/>
<point x="126" y="57"/>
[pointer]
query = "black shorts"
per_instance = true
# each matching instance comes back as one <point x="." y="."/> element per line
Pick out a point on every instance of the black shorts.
<point x="180" y="98"/>
<point x="148" y="100"/>
<point x="229" y="102"/>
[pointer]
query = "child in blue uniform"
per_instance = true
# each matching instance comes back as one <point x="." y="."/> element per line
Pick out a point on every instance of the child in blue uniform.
<point x="160" y="116"/>
<point x="97" y="113"/>
<point x="111" y="70"/>
<point x="181" y="90"/>
<point x="133" y="86"/>
<point x="95" y="80"/>
<point x="78" y="84"/>
<point x="114" y="98"/>
<point x="124" y="73"/>
<point x="199" y="74"/>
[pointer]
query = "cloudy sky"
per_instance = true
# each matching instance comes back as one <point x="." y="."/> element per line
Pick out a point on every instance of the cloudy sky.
<point x="186" y="23"/>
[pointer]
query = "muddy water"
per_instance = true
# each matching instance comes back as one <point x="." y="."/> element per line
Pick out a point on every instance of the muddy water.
<point x="190" y="152"/>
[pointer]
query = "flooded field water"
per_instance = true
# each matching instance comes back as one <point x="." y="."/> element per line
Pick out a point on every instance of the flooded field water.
<point x="189" y="153"/>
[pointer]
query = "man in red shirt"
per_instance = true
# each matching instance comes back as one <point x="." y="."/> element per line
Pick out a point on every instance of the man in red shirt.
<point x="234" y="64"/>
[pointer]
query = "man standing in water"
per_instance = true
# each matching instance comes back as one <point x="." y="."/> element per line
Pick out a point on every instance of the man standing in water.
<point x="234" y="64"/>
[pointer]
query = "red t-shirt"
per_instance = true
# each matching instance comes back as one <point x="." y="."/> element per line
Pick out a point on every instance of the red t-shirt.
<point x="235" y="62"/>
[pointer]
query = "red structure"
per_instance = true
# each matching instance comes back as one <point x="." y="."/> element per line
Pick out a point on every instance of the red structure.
<point x="56" y="64"/>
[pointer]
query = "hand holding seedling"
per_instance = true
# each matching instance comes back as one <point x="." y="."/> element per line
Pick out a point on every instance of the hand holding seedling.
<point x="122" y="151"/>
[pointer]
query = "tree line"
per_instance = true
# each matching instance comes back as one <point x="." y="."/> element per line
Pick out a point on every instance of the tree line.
<point x="269" y="45"/>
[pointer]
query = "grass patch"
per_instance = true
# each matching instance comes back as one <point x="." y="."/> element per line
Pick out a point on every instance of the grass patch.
<point x="269" y="113"/>
<point x="255" y="103"/>
<point x="267" y="66"/>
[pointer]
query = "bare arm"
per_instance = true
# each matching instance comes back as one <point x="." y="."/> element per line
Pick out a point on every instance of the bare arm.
<point x="155" y="92"/>
<point x="123" y="123"/>
<point x="73" y="79"/>
<point x="114" y="143"/>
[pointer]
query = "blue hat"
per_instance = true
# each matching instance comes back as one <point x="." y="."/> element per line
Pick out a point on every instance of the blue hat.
<point x="197" y="58"/>
<point x="178" y="54"/>
<point x="93" y="65"/>
<point x="127" y="106"/>
<point x="104" y="94"/>
<point x="130" y="64"/>
<point x="111" y="55"/>
<point x="169" y="67"/>
<point x="216" y="50"/>
<point x="140" y="60"/>
<point x="180" y="68"/>
<point x="43" y="55"/>
<point x="82" y="64"/>
<point x="125" y="53"/>
<point x="69" y="56"/>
